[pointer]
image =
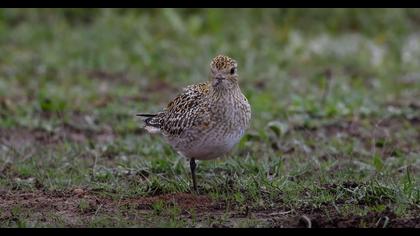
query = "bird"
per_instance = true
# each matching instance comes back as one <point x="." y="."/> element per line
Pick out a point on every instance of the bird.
<point x="205" y="120"/>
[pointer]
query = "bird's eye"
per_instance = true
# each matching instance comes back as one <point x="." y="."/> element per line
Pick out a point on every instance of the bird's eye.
<point x="232" y="71"/>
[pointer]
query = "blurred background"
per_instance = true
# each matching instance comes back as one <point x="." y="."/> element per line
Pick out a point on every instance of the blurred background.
<point x="114" y="62"/>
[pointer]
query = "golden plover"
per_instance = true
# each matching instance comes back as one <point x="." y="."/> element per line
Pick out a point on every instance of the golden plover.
<point x="206" y="120"/>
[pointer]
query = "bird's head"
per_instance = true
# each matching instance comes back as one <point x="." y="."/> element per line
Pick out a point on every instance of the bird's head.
<point x="223" y="72"/>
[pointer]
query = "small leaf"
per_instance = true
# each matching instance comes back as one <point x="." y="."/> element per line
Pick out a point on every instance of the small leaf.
<point x="279" y="128"/>
<point x="377" y="162"/>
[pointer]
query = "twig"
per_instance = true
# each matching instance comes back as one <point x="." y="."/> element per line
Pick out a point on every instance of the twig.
<point x="306" y="220"/>
<point x="94" y="164"/>
<point x="327" y="86"/>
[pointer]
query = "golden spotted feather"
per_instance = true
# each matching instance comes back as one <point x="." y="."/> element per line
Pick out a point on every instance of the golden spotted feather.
<point x="185" y="111"/>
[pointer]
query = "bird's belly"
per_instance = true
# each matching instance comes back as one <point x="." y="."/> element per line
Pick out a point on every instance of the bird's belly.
<point x="210" y="148"/>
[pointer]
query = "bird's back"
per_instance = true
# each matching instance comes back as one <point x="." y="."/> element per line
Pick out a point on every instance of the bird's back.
<point x="184" y="112"/>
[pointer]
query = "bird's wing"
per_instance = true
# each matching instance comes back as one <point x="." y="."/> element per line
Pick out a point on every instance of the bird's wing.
<point x="184" y="111"/>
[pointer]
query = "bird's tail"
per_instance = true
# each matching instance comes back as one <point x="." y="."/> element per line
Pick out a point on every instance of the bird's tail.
<point x="151" y="123"/>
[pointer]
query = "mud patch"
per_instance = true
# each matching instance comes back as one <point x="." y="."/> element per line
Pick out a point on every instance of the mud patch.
<point x="388" y="135"/>
<point x="371" y="220"/>
<point x="108" y="76"/>
<point x="22" y="137"/>
<point x="78" y="206"/>
<point x="181" y="200"/>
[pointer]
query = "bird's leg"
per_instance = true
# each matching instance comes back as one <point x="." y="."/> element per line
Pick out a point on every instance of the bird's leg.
<point x="192" y="166"/>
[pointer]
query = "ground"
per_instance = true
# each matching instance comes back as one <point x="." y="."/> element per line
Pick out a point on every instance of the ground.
<point x="334" y="139"/>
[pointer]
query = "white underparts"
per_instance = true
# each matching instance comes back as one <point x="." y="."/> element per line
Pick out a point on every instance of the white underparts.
<point x="152" y="130"/>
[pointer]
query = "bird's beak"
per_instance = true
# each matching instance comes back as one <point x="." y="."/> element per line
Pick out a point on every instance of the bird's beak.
<point x="218" y="79"/>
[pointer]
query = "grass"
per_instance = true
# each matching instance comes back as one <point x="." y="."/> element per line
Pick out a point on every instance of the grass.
<point x="334" y="133"/>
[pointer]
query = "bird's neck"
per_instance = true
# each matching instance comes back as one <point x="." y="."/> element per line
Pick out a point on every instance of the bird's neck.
<point x="231" y="90"/>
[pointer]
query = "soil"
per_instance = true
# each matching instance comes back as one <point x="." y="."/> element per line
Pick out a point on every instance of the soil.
<point x="380" y="133"/>
<point x="67" y="205"/>
<point x="18" y="137"/>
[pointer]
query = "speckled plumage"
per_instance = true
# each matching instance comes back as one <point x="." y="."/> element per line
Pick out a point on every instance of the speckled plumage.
<point x="206" y="120"/>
